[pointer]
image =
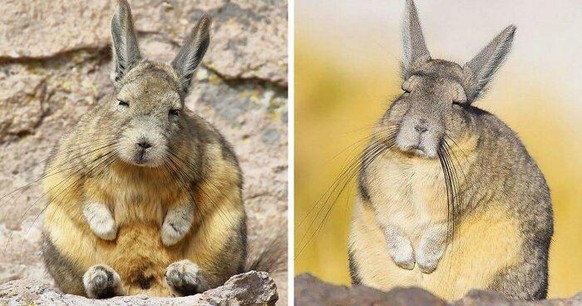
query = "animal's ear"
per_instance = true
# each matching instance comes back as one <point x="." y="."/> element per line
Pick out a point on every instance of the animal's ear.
<point x="125" y="49"/>
<point x="482" y="67"/>
<point x="192" y="52"/>
<point x="415" y="51"/>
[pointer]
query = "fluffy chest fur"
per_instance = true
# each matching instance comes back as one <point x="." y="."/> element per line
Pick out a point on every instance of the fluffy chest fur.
<point x="407" y="192"/>
<point x="135" y="195"/>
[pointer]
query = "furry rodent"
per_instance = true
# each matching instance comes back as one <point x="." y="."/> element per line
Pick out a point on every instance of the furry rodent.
<point x="448" y="198"/>
<point x="143" y="194"/>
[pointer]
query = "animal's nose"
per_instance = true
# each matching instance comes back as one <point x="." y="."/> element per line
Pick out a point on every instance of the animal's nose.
<point x="420" y="128"/>
<point x="144" y="144"/>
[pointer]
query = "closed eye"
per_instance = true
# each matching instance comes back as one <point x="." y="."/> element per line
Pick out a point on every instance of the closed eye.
<point x="123" y="103"/>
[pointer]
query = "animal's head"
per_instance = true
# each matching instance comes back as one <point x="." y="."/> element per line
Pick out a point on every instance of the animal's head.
<point x="438" y="93"/>
<point x="146" y="111"/>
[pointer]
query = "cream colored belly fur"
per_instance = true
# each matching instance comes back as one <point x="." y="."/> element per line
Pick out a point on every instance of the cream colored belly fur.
<point x="138" y="207"/>
<point x="411" y="195"/>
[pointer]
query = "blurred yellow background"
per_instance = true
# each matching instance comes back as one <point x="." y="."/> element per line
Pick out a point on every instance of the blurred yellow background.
<point x="347" y="70"/>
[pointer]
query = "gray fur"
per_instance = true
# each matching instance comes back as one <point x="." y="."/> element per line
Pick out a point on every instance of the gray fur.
<point x="64" y="270"/>
<point x="415" y="50"/>
<point x="125" y="49"/>
<point x="483" y="66"/>
<point x="192" y="52"/>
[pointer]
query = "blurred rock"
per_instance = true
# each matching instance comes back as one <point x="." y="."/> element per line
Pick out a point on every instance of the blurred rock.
<point x="21" y="103"/>
<point x="252" y="288"/>
<point x="309" y="290"/>
<point x="55" y="65"/>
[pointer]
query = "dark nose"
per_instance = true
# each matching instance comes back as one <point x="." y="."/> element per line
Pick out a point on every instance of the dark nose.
<point x="144" y="144"/>
<point x="420" y="128"/>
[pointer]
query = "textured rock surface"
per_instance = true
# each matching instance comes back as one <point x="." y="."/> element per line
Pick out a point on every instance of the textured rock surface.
<point x="249" y="37"/>
<point x="252" y="288"/>
<point x="55" y="65"/>
<point x="311" y="291"/>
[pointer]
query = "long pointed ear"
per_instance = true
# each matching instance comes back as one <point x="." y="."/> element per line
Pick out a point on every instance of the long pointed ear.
<point x="482" y="67"/>
<point x="415" y="50"/>
<point x="192" y="52"/>
<point x="125" y="49"/>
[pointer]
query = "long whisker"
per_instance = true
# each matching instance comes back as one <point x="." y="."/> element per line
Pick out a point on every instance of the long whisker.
<point x="62" y="187"/>
<point x="330" y="197"/>
<point x="101" y="163"/>
<point x="353" y="164"/>
<point x="49" y="174"/>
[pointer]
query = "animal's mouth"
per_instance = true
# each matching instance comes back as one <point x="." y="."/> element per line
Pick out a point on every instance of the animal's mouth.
<point x="151" y="156"/>
<point x="417" y="150"/>
<point x="140" y="157"/>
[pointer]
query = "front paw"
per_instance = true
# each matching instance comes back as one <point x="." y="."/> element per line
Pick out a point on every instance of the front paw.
<point x="429" y="258"/>
<point x="403" y="256"/>
<point x="172" y="233"/>
<point x="105" y="228"/>
<point x="100" y="220"/>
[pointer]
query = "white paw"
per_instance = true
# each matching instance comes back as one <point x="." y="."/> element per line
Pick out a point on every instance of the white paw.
<point x="171" y="233"/>
<point x="428" y="259"/>
<point x="105" y="228"/>
<point x="403" y="256"/>
<point x="100" y="220"/>
<point x="177" y="223"/>
<point x="184" y="278"/>
<point x="101" y="281"/>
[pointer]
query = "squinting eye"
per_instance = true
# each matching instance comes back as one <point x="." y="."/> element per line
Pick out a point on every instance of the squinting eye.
<point x="123" y="103"/>
<point x="174" y="112"/>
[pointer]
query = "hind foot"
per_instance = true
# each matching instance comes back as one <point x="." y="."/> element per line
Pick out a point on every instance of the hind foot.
<point x="101" y="282"/>
<point x="185" y="278"/>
